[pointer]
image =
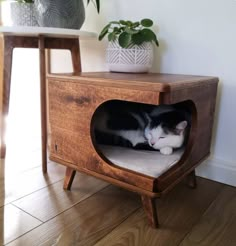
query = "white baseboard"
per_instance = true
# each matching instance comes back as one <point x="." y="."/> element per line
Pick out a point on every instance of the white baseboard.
<point x="218" y="170"/>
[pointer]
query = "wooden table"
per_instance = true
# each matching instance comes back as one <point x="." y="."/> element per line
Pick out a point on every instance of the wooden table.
<point x="75" y="101"/>
<point x="44" y="39"/>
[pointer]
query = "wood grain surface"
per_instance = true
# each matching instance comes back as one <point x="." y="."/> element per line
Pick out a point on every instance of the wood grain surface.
<point x="71" y="109"/>
<point x="6" y="53"/>
<point x="90" y="216"/>
<point x="218" y="224"/>
<point x="40" y="204"/>
<point x="178" y="212"/>
<point x="145" y="81"/>
<point x="15" y="185"/>
<point x="17" y="222"/>
<point x="87" y="222"/>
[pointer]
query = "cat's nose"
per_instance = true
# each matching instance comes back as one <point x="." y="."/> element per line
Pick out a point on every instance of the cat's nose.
<point x="152" y="143"/>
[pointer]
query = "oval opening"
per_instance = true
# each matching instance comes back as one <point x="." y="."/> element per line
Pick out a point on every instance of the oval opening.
<point x="147" y="139"/>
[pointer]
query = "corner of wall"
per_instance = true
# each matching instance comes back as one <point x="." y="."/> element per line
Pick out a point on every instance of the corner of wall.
<point x="218" y="170"/>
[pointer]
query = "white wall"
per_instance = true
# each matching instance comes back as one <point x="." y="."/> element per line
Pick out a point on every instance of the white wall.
<point x="196" y="37"/>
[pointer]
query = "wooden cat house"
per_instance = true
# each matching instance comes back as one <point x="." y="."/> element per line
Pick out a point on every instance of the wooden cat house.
<point x="73" y="101"/>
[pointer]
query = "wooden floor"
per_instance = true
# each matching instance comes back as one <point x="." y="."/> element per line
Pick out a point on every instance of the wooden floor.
<point x="35" y="210"/>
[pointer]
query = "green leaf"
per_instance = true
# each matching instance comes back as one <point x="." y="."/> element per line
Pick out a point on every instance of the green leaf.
<point x="136" y="24"/>
<point x="115" y="22"/>
<point x="154" y="37"/>
<point x="131" y="31"/>
<point x="122" y="29"/>
<point x="116" y="29"/>
<point x="146" y="22"/>
<point x="111" y="36"/>
<point x="129" y="23"/>
<point x="122" y="22"/>
<point x="156" y="41"/>
<point x="104" y="32"/>
<point x="98" y="5"/>
<point x="124" y="39"/>
<point x="148" y="35"/>
<point x="138" y="38"/>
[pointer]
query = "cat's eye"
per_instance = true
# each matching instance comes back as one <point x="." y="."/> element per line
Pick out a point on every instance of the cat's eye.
<point x="162" y="137"/>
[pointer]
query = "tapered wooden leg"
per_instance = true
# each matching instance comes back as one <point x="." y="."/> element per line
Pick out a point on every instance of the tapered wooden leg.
<point x="149" y="207"/>
<point x="191" y="180"/>
<point x="69" y="177"/>
<point x="43" y="102"/>
<point x="6" y="50"/>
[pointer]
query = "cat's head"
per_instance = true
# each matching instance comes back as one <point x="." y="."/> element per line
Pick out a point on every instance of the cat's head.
<point x="166" y="130"/>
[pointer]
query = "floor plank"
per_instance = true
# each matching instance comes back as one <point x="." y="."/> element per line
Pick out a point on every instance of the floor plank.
<point x="14" y="223"/>
<point x="218" y="225"/>
<point x="178" y="212"/>
<point x="86" y="222"/>
<point x="17" y="185"/>
<point x="26" y="159"/>
<point x="50" y="201"/>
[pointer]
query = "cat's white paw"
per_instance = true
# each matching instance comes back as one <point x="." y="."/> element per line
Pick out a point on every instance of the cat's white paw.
<point x="166" y="150"/>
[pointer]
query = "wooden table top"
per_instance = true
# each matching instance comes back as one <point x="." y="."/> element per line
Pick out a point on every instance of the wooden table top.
<point x="33" y="31"/>
<point x="145" y="81"/>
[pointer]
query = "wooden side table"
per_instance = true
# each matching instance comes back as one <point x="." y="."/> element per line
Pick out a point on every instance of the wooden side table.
<point x="43" y="39"/>
<point x="74" y="102"/>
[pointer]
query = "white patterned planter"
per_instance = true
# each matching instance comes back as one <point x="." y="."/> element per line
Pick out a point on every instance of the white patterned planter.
<point x="134" y="59"/>
<point x="23" y="14"/>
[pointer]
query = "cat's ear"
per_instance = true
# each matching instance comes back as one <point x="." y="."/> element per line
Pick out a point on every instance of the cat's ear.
<point x="181" y="126"/>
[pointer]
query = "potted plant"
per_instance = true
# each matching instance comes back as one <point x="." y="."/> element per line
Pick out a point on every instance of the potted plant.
<point x="62" y="13"/>
<point x="23" y="13"/>
<point x="130" y="46"/>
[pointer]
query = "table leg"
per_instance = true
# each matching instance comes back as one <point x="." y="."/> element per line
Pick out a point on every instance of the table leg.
<point x="74" y="47"/>
<point x="42" y="61"/>
<point x="69" y="177"/>
<point x="75" y="56"/>
<point x="191" y="180"/>
<point x="150" y="209"/>
<point x="6" y="51"/>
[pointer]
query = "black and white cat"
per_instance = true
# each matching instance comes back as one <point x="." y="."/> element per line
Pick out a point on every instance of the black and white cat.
<point x="141" y="126"/>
